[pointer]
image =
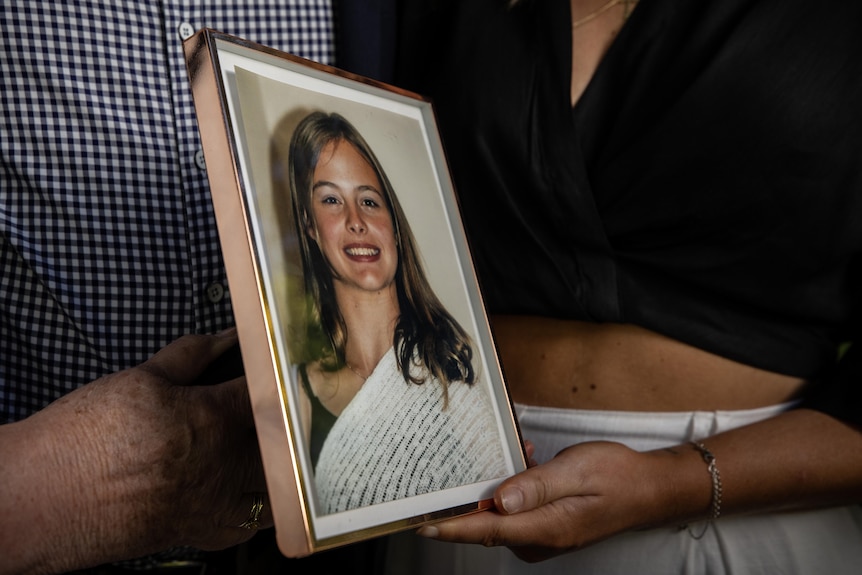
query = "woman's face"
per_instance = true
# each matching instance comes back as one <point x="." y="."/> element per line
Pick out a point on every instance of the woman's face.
<point x="350" y="219"/>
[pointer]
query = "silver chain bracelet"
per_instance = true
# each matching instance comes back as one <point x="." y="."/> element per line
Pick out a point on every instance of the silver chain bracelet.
<point x="709" y="459"/>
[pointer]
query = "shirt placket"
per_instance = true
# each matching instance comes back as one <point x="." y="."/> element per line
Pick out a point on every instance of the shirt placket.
<point x="212" y="309"/>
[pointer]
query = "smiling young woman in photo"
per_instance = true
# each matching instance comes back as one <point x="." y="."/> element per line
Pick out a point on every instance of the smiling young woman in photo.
<point x="391" y="408"/>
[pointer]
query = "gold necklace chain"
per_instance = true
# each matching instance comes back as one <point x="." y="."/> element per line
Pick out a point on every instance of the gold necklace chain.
<point x="356" y="371"/>
<point x="628" y="5"/>
<point x="337" y="376"/>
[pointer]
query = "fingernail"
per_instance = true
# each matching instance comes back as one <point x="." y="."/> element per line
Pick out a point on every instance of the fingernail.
<point x="428" y="531"/>
<point x="229" y="332"/>
<point x="511" y="499"/>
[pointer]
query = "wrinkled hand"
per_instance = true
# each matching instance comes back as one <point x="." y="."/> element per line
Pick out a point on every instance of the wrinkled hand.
<point x="155" y="461"/>
<point x="586" y="493"/>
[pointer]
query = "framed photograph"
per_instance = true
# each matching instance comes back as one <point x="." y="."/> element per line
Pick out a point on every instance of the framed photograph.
<point x="378" y="397"/>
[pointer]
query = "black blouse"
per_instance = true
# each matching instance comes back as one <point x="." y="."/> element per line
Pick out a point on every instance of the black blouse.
<point x="707" y="186"/>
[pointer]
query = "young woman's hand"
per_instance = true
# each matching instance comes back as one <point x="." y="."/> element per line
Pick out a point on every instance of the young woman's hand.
<point x="586" y="493"/>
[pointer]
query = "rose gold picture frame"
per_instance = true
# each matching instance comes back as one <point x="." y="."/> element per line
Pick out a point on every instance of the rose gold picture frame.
<point x="389" y="462"/>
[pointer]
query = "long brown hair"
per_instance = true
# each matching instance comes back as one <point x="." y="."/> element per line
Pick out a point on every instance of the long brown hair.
<point x="426" y="334"/>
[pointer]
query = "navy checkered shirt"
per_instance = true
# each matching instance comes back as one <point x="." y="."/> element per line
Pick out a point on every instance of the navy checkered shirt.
<point x="108" y="244"/>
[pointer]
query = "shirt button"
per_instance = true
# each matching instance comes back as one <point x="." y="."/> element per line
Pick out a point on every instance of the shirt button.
<point x="200" y="161"/>
<point x="186" y="30"/>
<point x="215" y="292"/>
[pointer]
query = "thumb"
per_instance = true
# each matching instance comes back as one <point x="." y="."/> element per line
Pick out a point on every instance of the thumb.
<point x="185" y="359"/>
<point x="531" y="489"/>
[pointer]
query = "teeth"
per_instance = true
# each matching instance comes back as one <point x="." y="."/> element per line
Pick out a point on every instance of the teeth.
<point x="362" y="251"/>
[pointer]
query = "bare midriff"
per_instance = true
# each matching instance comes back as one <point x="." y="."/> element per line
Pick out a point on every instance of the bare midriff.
<point x="577" y="365"/>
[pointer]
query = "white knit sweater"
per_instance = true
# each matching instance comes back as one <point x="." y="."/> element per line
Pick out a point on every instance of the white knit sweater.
<point x="395" y="440"/>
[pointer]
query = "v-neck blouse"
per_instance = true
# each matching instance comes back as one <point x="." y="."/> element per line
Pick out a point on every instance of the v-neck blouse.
<point x="707" y="185"/>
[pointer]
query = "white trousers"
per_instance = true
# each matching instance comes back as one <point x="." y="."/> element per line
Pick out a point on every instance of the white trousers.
<point x="827" y="541"/>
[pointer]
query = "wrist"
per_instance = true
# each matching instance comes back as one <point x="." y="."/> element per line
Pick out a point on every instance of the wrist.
<point x="70" y="503"/>
<point x="43" y="502"/>
<point x="685" y="486"/>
